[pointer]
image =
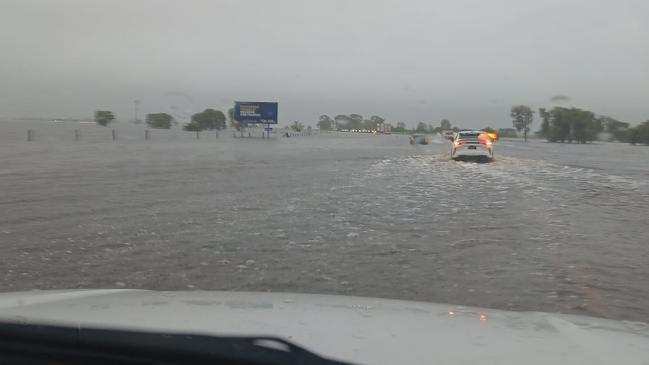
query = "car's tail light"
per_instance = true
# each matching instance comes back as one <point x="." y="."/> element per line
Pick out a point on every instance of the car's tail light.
<point x="457" y="143"/>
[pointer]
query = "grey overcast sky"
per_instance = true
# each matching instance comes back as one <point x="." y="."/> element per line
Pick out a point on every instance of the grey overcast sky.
<point x="411" y="61"/>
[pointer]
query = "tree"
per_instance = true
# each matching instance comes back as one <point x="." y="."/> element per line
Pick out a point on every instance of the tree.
<point x="297" y="126"/>
<point x="545" y="123"/>
<point x="325" y="123"/>
<point x="377" y="120"/>
<point x="617" y="130"/>
<point x="571" y="124"/>
<point x="355" y="121"/>
<point x="445" y="124"/>
<point x="233" y="123"/>
<point x="639" y="134"/>
<point x="374" y="123"/>
<point x="209" y="119"/>
<point x="368" y="125"/>
<point x="104" y="117"/>
<point x="592" y="126"/>
<point x="159" y="120"/>
<point x="342" y="121"/>
<point x="489" y="130"/>
<point x="522" y="117"/>
<point x="400" y="128"/>
<point x="421" y="127"/>
<point x="192" y="127"/>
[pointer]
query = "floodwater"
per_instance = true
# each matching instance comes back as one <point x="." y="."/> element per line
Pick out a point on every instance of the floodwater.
<point x="545" y="227"/>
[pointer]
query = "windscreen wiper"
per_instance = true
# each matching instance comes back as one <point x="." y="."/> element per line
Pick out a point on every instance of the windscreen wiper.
<point x="47" y="344"/>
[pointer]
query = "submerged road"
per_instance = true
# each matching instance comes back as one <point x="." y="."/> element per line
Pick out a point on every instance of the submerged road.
<point x="546" y="227"/>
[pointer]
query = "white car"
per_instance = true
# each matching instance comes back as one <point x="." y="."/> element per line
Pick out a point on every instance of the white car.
<point x="472" y="144"/>
<point x="120" y="326"/>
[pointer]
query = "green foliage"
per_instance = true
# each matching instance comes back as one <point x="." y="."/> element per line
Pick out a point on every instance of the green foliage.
<point x="192" y="127"/>
<point x="355" y="121"/>
<point x="545" y="123"/>
<point x="639" y="134"/>
<point x="325" y="123"/>
<point x="570" y="124"/>
<point x="619" y="131"/>
<point x="159" y="120"/>
<point x="421" y="127"/>
<point x="400" y="128"/>
<point x="445" y="124"/>
<point x="434" y="130"/>
<point x="209" y="119"/>
<point x="341" y="121"/>
<point x="104" y="117"/>
<point x="377" y="120"/>
<point x="489" y="129"/>
<point x="373" y="123"/>
<point x="352" y="121"/>
<point x="522" y="117"/>
<point x="297" y="126"/>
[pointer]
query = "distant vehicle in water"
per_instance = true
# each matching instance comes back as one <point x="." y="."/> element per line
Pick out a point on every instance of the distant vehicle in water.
<point x="472" y="145"/>
<point x="418" y="139"/>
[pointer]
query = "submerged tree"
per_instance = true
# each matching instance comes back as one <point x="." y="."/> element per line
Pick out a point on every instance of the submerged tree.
<point x="104" y="117"/>
<point x="522" y="117"/>
<point x="159" y="120"/>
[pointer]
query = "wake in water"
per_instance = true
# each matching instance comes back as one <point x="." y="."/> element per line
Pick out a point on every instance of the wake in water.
<point x="546" y="231"/>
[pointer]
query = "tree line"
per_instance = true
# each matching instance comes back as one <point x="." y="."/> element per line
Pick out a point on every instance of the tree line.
<point x="351" y="122"/>
<point x="559" y="124"/>
<point x="639" y="134"/>
<point x="358" y="122"/>
<point x="574" y="125"/>
<point x="209" y="119"/>
<point x="569" y="125"/>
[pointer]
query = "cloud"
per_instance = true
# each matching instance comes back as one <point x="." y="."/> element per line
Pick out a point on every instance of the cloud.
<point x="468" y="60"/>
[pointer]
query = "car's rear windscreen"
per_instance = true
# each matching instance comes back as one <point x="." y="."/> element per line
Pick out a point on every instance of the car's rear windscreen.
<point x="469" y="136"/>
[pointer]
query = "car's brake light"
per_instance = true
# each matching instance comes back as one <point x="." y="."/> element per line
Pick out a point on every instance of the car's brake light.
<point x="457" y="143"/>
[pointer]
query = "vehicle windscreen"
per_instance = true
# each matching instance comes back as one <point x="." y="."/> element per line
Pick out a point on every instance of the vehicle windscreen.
<point x="303" y="146"/>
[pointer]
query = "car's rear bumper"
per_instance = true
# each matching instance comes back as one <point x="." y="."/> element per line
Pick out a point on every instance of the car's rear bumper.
<point x="464" y="151"/>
